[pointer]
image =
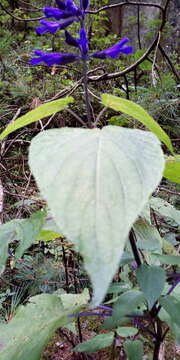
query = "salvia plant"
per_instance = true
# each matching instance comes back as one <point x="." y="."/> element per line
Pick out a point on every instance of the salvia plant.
<point x="98" y="184"/>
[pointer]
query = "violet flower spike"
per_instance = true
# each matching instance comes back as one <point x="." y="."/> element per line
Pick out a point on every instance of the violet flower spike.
<point x="115" y="50"/>
<point x="54" y="58"/>
<point x="81" y="43"/>
<point x="52" y="26"/>
<point x="64" y="10"/>
<point x="84" y="4"/>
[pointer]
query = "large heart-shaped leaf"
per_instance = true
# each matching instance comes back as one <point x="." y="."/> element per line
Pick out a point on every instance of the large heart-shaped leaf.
<point x="96" y="182"/>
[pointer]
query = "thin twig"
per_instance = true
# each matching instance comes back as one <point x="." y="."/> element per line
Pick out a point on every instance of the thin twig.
<point x="99" y="116"/>
<point x="77" y="117"/>
<point x="154" y="60"/>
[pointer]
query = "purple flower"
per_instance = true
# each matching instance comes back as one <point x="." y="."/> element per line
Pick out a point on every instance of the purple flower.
<point x="81" y="43"/>
<point x="54" y="58"/>
<point x="115" y="50"/>
<point x="52" y="26"/>
<point x="65" y="10"/>
<point x="84" y="4"/>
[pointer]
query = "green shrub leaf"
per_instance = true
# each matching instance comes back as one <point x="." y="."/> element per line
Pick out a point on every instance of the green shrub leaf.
<point x="133" y="349"/>
<point x="23" y="230"/>
<point x="172" y="306"/>
<point x="125" y="331"/>
<point x="172" y="168"/>
<point x="96" y="343"/>
<point x="162" y="207"/>
<point x="88" y="178"/>
<point x="137" y="112"/>
<point x="151" y="280"/>
<point x="147" y="236"/>
<point x="168" y="259"/>
<point x="126" y="304"/>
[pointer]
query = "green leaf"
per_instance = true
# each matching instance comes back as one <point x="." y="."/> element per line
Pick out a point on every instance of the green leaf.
<point x="165" y="209"/>
<point x="126" y="331"/>
<point x="151" y="279"/>
<point x="172" y="168"/>
<point x="25" y="336"/>
<point x="172" y="306"/>
<point x="137" y="112"/>
<point x="22" y="230"/>
<point x="133" y="349"/>
<point x="96" y="343"/>
<point x="148" y="237"/>
<point x="27" y="231"/>
<point x="168" y="259"/>
<point x="145" y="65"/>
<point x="88" y="178"/>
<point x="48" y="235"/>
<point x="126" y="304"/>
<point x="39" y="113"/>
<point x="165" y="317"/>
<point x="74" y="300"/>
<point x="6" y="236"/>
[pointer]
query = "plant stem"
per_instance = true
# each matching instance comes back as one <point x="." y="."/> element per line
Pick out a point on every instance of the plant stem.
<point x="86" y="94"/>
<point x="132" y="239"/>
<point x="158" y="340"/>
<point x="65" y="268"/>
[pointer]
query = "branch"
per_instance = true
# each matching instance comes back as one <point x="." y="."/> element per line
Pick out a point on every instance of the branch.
<point x="169" y="62"/>
<point x="17" y="18"/>
<point x="148" y="51"/>
<point x="103" y="8"/>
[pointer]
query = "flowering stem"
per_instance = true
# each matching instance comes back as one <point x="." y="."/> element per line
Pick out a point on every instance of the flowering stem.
<point x="86" y="93"/>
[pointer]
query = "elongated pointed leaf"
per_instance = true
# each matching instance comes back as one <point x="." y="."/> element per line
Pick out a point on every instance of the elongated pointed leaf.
<point x="133" y="349"/>
<point x="39" y="113"/>
<point x="96" y="343"/>
<point x="168" y="259"/>
<point x="25" y="336"/>
<point x="151" y="279"/>
<point x="172" y="168"/>
<point x="137" y="112"/>
<point x="96" y="182"/>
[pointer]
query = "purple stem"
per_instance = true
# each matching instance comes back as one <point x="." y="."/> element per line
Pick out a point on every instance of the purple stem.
<point x="173" y="275"/>
<point x="105" y="307"/>
<point x="173" y="286"/>
<point x="136" y="322"/>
